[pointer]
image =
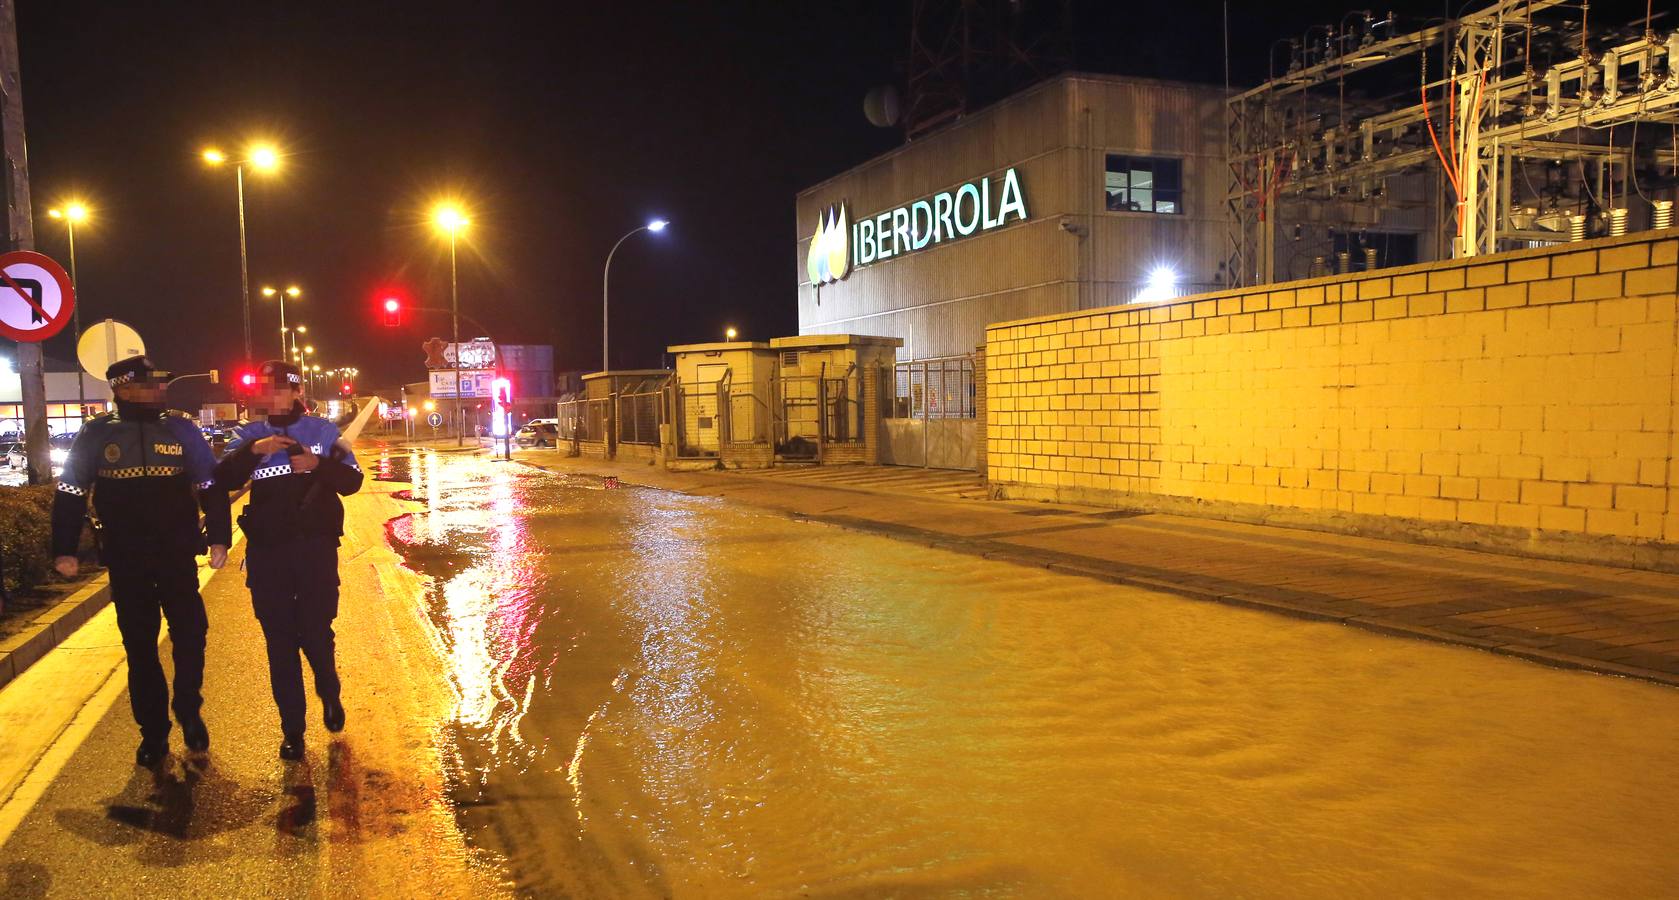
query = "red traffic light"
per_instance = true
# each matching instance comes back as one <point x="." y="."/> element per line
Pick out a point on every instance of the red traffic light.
<point x="393" y="312"/>
<point x="248" y="379"/>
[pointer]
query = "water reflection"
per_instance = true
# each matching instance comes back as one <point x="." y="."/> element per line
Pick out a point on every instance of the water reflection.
<point x="660" y="695"/>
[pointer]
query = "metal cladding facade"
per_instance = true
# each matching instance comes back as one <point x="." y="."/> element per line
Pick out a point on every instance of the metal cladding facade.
<point x="1069" y="252"/>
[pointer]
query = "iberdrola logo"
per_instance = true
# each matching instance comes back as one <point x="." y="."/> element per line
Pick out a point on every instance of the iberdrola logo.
<point x="830" y="248"/>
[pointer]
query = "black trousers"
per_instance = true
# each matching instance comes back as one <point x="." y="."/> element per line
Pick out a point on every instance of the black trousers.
<point x="145" y="590"/>
<point x="294" y="588"/>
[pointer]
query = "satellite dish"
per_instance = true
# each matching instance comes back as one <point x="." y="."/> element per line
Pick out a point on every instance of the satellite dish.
<point x="881" y="106"/>
<point x="104" y="344"/>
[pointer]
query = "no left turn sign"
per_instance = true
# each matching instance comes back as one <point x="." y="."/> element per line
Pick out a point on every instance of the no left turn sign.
<point x="35" y="296"/>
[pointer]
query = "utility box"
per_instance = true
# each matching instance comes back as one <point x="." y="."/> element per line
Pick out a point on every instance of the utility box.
<point x="724" y="395"/>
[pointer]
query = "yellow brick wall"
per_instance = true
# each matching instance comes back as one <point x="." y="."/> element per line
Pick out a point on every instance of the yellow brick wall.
<point x="1528" y="395"/>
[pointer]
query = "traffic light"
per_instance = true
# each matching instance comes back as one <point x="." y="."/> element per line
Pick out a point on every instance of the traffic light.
<point x="393" y="312"/>
<point x="346" y="389"/>
<point x="501" y="401"/>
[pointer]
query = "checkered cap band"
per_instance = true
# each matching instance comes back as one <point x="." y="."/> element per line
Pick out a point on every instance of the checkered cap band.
<point x="277" y="369"/>
<point x="133" y="368"/>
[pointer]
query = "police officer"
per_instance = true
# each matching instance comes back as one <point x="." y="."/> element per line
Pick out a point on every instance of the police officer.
<point x="142" y="467"/>
<point x="298" y="467"/>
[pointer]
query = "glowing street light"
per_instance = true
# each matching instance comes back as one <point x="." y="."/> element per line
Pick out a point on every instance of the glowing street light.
<point x="730" y="333"/>
<point x="264" y="158"/>
<point x="655" y="226"/>
<point x="71" y="213"/>
<point x="261" y="157"/>
<point x="449" y="219"/>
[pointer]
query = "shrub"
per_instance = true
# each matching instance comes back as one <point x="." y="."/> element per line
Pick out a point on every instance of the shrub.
<point x="26" y="535"/>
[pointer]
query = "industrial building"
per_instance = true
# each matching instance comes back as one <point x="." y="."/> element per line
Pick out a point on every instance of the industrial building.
<point x="1083" y="191"/>
<point x="1375" y="142"/>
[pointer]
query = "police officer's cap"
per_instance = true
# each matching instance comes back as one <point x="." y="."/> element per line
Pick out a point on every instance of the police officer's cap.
<point x="281" y="371"/>
<point x="134" y="368"/>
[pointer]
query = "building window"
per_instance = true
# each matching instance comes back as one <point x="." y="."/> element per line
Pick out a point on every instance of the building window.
<point x="1144" y="184"/>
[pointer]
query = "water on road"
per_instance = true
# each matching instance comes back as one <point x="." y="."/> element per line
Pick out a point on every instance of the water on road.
<point x="661" y="694"/>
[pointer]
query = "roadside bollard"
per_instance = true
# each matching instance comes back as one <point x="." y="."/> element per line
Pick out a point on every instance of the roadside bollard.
<point x="611" y="482"/>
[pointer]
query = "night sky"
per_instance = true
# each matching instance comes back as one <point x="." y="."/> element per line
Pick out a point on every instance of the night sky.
<point x="560" y="125"/>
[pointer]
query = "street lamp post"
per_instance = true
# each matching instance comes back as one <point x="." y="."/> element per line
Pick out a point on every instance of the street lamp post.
<point x="293" y="292"/>
<point x="449" y="219"/>
<point x="261" y="158"/>
<point x="655" y="226"/>
<point x="302" y="358"/>
<point x="72" y="213"/>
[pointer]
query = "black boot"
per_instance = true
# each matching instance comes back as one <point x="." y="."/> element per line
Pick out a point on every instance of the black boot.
<point x="151" y="752"/>
<point x="196" y="736"/>
<point x="332" y="715"/>
<point x="291" y="749"/>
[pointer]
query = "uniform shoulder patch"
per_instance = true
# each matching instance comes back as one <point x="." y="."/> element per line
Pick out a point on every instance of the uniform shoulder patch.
<point x="113" y="453"/>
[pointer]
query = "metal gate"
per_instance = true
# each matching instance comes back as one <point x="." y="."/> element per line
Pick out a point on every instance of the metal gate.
<point x="929" y="418"/>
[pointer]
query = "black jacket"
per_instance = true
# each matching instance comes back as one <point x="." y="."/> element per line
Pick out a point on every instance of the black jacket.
<point x="285" y="505"/>
<point x="149" y="475"/>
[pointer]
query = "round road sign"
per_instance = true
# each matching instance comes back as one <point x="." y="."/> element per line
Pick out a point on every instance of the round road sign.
<point x="35" y="296"/>
<point x="106" y="343"/>
<point x="435" y="419"/>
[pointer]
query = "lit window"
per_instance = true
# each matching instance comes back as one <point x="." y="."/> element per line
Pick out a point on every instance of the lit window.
<point x="1142" y="184"/>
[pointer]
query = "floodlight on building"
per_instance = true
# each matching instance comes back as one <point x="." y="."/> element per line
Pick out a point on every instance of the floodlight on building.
<point x="1162" y="284"/>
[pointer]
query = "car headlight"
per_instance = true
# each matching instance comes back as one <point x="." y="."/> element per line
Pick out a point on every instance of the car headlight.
<point x="58" y="455"/>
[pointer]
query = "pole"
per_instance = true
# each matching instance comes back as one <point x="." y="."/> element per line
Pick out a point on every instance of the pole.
<point x="20" y="235"/>
<point x="455" y="330"/>
<point x="282" y="324"/>
<point x="244" y="269"/>
<point x="76" y="321"/>
<point x="605" y="364"/>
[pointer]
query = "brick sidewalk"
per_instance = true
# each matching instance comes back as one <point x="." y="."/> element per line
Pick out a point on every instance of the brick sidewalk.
<point x="1610" y="620"/>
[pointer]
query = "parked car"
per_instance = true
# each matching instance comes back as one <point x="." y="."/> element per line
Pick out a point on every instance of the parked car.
<point x="18" y="458"/>
<point x="538" y="433"/>
<point x="60" y="447"/>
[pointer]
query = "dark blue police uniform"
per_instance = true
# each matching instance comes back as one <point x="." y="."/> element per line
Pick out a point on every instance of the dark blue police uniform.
<point x="149" y="475"/>
<point x="292" y="524"/>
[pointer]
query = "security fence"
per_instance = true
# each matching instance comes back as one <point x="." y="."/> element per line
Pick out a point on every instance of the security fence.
<point x="930" y="415"/>
<point x="793" y="415"/>
<point x="639" y="411"/>
<point x="583" y="419"/>
<point x="817" y="410"/>
<point x="935" y="388"/>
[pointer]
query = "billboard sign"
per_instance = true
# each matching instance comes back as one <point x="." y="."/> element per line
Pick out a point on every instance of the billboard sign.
<point x="474" y="383"/>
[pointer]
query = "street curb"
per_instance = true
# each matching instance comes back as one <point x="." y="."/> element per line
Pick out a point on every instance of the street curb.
<point x="19" y="652"/>
<point x="1096" y="569"/>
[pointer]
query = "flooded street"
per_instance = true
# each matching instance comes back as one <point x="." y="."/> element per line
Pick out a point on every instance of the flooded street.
<point x="660" y="694"/>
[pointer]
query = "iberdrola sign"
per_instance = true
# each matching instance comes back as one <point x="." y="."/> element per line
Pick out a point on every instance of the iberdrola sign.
<point x="840" y="245"/>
